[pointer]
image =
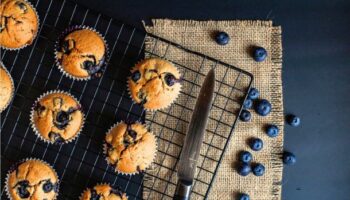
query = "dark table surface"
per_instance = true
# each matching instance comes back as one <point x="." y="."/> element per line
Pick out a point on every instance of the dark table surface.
<point x="316" y="78"/>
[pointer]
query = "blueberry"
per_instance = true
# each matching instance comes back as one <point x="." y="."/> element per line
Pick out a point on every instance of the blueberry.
<point x="88" y="65"/>
<point x="65" y="47"/>
<point x="170" y="79"/>
<point x="245" y="116"/>
<point x="39" y="108"/>
<point x="48" y="186"/>
<point x="21" y="6"/>
<point x="289" y="158"/>
<point x="272" y="130"/>
<point x="132" y="134"/>
<point x="62" y="119"/>
<point x="258" y="170"/>
<point x="243" y="197"/>
<point x="22" y="189"/>
<point x="260" y="54"/>
<point x="56" y="138"/>
<point x="253" y="93"/>
<point x="263" y="107"/>
<point x="94" y="195"/>
<point x="256" y="144"/>
<point x="135" y="76"/>
<point x="245" y="156"/>
<point x="244" y="169"/>
<point x="293" y="120"/>
<point x="222" y="38"/>
<point x="248" y="104"/>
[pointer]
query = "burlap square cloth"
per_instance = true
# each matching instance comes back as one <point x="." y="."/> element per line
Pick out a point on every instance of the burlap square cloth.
<point x="197" y="36"/>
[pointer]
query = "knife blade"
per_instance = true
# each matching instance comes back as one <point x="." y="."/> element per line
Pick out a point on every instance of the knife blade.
<point x="194" y="137"/>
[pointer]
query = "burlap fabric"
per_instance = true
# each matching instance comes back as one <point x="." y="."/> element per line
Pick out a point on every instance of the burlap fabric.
<point x="197" y="36"/>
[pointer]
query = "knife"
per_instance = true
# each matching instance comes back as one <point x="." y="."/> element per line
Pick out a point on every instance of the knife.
<point x="190" y="151"/>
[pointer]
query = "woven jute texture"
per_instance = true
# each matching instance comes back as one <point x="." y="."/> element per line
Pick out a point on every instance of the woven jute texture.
<point x="198" y="36"/>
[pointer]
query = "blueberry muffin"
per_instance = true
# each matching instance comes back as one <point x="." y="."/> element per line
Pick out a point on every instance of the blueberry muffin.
<point x="57" y="117"/>
<point x="32" y="179"/>
<point x="103" y="191"/>
<point x="6" y="88"/>
<point x="81" y="53"/>
<point x="18" y="24"/>
<point x="154" y="83"/>
<point x="129" y="148"/>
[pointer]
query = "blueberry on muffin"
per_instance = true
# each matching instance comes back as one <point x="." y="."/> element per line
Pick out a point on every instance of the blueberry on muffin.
<point x="81" y="53"/>
<point x="32" y="179"/>
<point x="6" y="88"/>
<point x="129" y="148"/>
<point x="18" y="24"/>
<point x="57" y="117"/>
<point x="103" y="191"/>
<point x="154" y="83"/>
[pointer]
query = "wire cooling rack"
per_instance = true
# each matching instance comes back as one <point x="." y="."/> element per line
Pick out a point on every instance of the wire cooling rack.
<point x="105" y="101"/>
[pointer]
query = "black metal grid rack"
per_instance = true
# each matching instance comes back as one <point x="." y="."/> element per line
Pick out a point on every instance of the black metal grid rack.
<point x="105" y="100"/>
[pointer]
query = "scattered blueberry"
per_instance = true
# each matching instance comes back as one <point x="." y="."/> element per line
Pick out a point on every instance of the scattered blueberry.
<point x="222" y="38"/>
<point x="258" y="170"/>
<point x="293" y="120"/>
<point x="244" y="169"/>
<point x="245" y="116"/>
<point x="260" y="54"/>
<point x="170" y="79"/>
<point x="245" y="156"/>
<point x="256" y="144"/>
<point x="248" y="104"/>
<point x="272" y="130"/>
<point x="263" y="107"/>
<point x="243" y="197"/>
<point x="289" y="158"/>
<point x="47" y="186"/>
<point x="253" y="93"/>
<point x="136" y="76"/>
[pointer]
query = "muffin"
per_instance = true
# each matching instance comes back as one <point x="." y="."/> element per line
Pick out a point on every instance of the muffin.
<point x="32" y="179"/>
<point x="129" y="148"/>
<point x="57" y="117"/>
<point x="154" y="83"/>
<point x="81" y="53"/>
<point x="103" y="191"/>
<point x="6" y="88"/>
<point x="18" y="24"/>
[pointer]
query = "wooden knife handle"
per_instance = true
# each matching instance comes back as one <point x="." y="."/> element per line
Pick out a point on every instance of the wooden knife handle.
<point x="183" y="190"/>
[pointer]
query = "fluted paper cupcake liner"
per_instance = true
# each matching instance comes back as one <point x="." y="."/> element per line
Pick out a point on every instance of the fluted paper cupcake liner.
<point x="12" y="87"/>
<point x="35" y="34"/>
<point x="58" y="46"/>
<point x="101" y="184"/>
<point x="19" y="163"/>
<point x="150" y="109"/>
<point x="112" y="165"/>
<point x="36" y="131"/>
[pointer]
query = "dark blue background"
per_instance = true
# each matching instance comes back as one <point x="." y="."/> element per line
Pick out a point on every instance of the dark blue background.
<point x="316" y="78"/>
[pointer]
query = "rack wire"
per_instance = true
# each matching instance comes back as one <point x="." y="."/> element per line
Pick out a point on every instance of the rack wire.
<point x="105" y="100"/>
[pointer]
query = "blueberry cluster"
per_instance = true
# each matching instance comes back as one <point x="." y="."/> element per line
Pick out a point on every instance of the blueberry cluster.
<point x="245" y="167"/>
<point x="261" y="106"/>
